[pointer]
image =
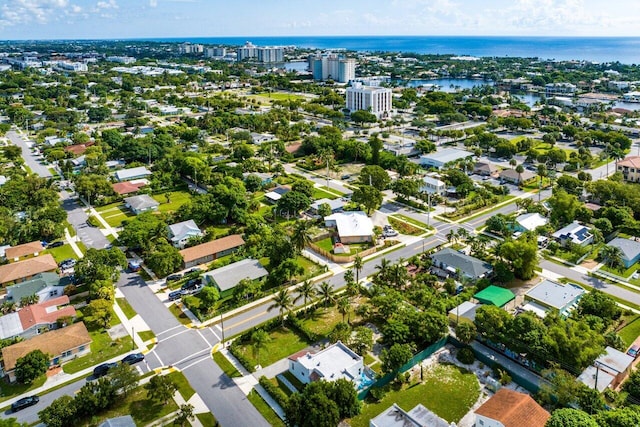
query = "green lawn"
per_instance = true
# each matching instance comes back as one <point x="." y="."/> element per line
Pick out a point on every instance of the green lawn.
<point x="143" y="410"/>
<point x="279" y="96"/>
<point x="184" y="387"/>
<point x="182" y="318"/>
<point x="333" y="190"/>
<point x="62" y="252"/>
<point x="326" y="244"/>
<point x="126" y="308"/>
<point x="321" y="194"/>
<point x="323" y="320"/>
<point x="631" y="330"/>
<point x="207" y="419"/>
<point x="404" y="227"/>
<point x="447" y="390"/>
<point x="225" y="365"/>
<point x="11" y="390"/>
<point x="146" y="335"/>
<point x="411" y="220"/>
<point x="114" y="214"/>
<point x="284" y="342"/>
<point x="102" y="348"/>
<point x="176" y="199"/>
<point x="266" y="411"/>
<point x="624" y="273"/>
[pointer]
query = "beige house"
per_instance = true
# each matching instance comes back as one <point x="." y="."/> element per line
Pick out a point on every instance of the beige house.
<point x="210" y="251"/>
<point x="630" y="168"/>
<point x="22" y="270"/>
<point x="31" y="249"/>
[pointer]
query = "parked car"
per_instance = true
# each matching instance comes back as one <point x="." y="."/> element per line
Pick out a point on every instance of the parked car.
<point x="173" y="277"/>
<point x="175" y="295"/>
<point x="634" y="351"/>
<point x="132" y="358"/>
<point x="193" y="290"/>
<point x="55" y="245"/>
<point x="389" y="232"/>
<point x="134" y="266"/>
<point x="636" y="275"/>
<point x="194" y="270"/>
<point x="191" y="283"/>
<point x="102" y="370"/>
<point x="67" y="263"/>
<point x="23" y="403"/>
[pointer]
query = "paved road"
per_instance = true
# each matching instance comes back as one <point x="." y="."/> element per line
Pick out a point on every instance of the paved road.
<point x="319" y="178"/>
<point x="27" y="155"/>
<point x="92" y="237"/>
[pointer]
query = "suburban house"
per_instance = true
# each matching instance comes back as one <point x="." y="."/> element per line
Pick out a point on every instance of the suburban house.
<point x="549" y="295"/>
<point x="36" y="318"/>
<point x="127" y="187"/>
<point x="610" y="368"/>
<point x="432" y="185"/>
<point x="226" y="278"/>
<point x="62" y="345"/>
<point x="509" y="408"/>
<point x="443" y="157"/>
<point x="265" y="178"/>
<point x="132" y="173"/>
<point x="465" y="312"/>
<point x="276" y="194"/>
<point x="181" y="232"/>
<point x="630" y="168"/>
<point x="31" y="249"/>
<point x="335" y="205"/>
<point x="210" y="251"/>
<point x="513" y="177"/>
<point x="334" y="362"/>
<point x="575" y="233"/>
<point x="419" y="416"/>
<point x="630" y="250"/>
<point x="22" y="270"/>
<point x="495" y="295"/>
<point x="485" y="169"/>
<point x="141" y="203"/>
<point x="123" y="421"/>
<point x="352" y="227"/>
<point x="45" y="285"/>
<point x="261" y="138"/>
<point x="529" y="222"/>
<point x="449" y="261"/>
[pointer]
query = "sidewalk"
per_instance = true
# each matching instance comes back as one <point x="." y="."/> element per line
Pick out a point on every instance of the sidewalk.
<point x="133" y="325"/>
<point x="72" y="242"/>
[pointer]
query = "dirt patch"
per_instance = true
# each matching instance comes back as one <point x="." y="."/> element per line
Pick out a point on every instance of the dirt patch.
<point x="589" y="264"/>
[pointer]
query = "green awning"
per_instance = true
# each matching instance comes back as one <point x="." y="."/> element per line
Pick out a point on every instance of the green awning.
<point x="495" y="295"/>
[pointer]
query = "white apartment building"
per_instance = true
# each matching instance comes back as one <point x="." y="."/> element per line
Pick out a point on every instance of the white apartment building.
<point x="331" y="66"/>
<point x="121" y="59"/>
<point x="248" y="51"/>
<point x="377" y="100"/>
<point x="215" y="52"/>
<point x="270" y="54"/>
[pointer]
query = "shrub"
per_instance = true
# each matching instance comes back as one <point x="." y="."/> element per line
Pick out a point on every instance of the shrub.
<point x="377" y="393"/>
<point x="465" y="355"/>
<point x="274" y="391"/>
<point x="233" y="349"/>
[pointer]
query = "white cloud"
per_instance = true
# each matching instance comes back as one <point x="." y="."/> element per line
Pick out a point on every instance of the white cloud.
<point x="19" y="12"/>
<point x="104" y="5"/>
<point x="153" y="3"/>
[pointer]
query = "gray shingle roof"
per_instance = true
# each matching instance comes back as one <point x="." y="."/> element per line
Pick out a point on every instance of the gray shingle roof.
<point x="470" y="266"/>
<point x="630" y="248"/>
<point x="141" y="202"/>
<point x="229" y="276"/>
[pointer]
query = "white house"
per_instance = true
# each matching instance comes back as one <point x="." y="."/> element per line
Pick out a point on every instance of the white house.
<point x="133" y="173"/>
<point x="575" y="233"/>
<point x="432" y="185"/>
<point x="377" y="100"/>
<point x="352" y="227"/>
<point x="334" y="362"/>
<point x="141" y="203"/>
<point x="529" y="222"/>
<point x="442" y="157"/>
<point x="181" y="232"/>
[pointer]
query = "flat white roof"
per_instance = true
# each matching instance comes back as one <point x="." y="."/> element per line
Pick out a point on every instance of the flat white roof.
<point x="447" y="155"/>
<point x="10" y="325"/>
<point x="554" y="294"/>
<point x="126" y="174"/>
<point x="535" y="308"/>
<point x="332" y="362"/>
<point x="355" y="223"/>
<point x="531" y="221"/>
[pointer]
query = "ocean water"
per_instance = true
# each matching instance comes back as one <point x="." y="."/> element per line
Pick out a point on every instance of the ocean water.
<point x="599" y="49"/>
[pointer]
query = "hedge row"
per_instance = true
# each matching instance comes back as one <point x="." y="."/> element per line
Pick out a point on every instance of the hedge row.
<point x="275" y="391"/>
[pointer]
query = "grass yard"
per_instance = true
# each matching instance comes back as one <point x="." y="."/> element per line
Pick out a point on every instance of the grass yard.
<point x="447" y="390"/>
<point x="62" y="252"/>
<point x="11" y="390"/>
<point x="176" y="199"/>
<point x="177" y="311"/>
<point x="411" y="221"/>
<point x="323" y="320"/>
<point x="321" y="194"/>
<point x="143" y="410"/>
<point x="266" y="411"/>
<point x="404" y="228"/>
<point x="181" y="381"/>
<point x="624" y="273"/>
<point x="102" y="349"/>
<point x="225" y="365"/>
<point x="284" y="342"/>
<point x="207" y="419"/>
<point x="310" y="268"/>
<point x="631" y="330"/>
<point x="126" y="308"/>
<point x="146" y="335"/>
<point x="326" y="244"/>
<point x="114" y="214"/>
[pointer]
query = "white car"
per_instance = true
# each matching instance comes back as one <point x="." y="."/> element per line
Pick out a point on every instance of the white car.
<point x="390" y="232"/>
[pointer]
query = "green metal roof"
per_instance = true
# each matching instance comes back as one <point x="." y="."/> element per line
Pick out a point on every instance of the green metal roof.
<point x="495" y="295"/>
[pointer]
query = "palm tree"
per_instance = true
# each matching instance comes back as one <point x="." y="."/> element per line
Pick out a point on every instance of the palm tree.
<point x="300" y="237"/>
<point x="451" y="235"/>
<point x="383" y="269"/>
<point x="282" y="301"/>
<point x="324" y="291"/>
<point x="357" y="266"/>
<point x="612" y="256"/>
<point x="306" y="291"/>
<point x="259" y="340"/>
<point x="513" y="162"/>
<point x="462" y="233"/>
<point x="344" y="307"/>
<point x="519" y="169"/>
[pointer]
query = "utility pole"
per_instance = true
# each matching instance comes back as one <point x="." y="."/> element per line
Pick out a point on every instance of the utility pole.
<point x="327" y="172"/>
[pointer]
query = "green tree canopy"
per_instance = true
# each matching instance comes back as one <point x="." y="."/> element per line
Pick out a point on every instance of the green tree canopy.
<point x="31" y="366"/>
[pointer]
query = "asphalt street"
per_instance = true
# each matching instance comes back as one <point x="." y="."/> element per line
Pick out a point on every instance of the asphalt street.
<point x="92" y="237"/>
<point x="29" y="158"/>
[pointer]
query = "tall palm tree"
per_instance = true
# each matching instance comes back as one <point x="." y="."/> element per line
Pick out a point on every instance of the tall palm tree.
<point x="462" y="233"/>
<point x="612" y="256"/>
<point x="519" y="170"/>
<point x="383" y="269"/>
<point x="357" y="266"/>
<point x="283" y="302"/>
<point x="306" y="291"/>
<point x="325" y="292"/>
<point x="344" y="307"/>
<point x="259" y="340"/>
<point x="451" y="236"/>
<point x="300" y="237"/>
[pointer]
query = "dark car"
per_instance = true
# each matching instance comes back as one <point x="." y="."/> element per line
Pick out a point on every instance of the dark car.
<point x="130" y="359"/>
<point x="102" y="370"/>
<point x="25" y="402"/>
<point x="194" y="270"/>
<point x="55" y="245"/>
<point x="175" y="295"/>
<point x="68" y="263"/>
<point x="193" y="290"/>
<point x="174" y="277"/>
<point x="192" y="283"/>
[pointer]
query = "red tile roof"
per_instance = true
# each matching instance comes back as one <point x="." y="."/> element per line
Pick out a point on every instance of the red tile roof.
<point x="46" y="312"/>
<point x="23" y="250"/>
<point x="127" y="187"/>
<point x="514" y="409"/>
<point x="631" y="161"/>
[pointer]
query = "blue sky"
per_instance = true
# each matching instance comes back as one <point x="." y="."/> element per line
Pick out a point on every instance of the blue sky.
<point x="52" y="19"/>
